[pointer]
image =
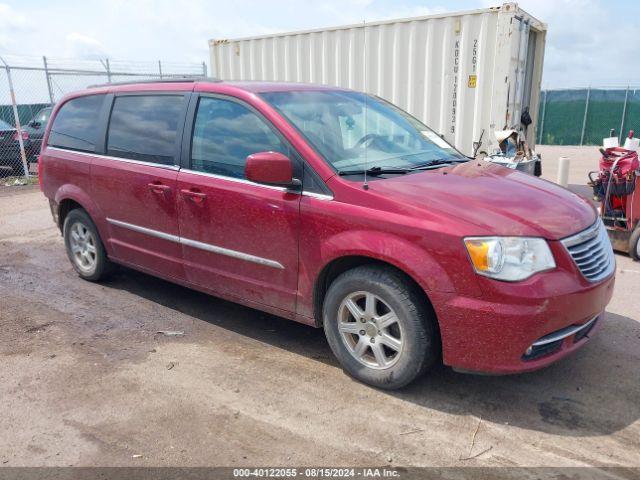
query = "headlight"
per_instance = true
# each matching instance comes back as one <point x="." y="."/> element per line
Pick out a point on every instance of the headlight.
<point x="509" y="258"/>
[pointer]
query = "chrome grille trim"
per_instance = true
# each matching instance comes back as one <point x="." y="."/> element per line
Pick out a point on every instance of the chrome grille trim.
<point x="591" y="251"/>
<point x="582" y="236"/>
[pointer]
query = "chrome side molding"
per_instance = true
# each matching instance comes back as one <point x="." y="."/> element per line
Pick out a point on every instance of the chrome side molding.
<point x="231" y="253"/>
<point x="145" y="230"/>
<point x="199" y="245"/>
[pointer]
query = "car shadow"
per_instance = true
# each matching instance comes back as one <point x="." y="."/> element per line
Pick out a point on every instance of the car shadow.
<point x="592" y="392"/>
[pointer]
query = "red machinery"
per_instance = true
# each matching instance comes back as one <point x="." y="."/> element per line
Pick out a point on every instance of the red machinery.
<point x="616" y="187"/>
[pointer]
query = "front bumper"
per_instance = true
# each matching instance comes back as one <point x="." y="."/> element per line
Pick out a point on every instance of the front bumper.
<point x="492" y="334"/>
<point x="564" y="338"/>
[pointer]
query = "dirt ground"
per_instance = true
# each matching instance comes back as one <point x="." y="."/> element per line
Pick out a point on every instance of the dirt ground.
<point x="86" y="380"/>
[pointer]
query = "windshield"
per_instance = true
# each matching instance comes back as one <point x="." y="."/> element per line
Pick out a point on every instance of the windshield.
<point x="352" y="130"/>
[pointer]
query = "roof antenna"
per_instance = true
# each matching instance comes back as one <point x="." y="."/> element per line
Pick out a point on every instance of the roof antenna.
<point x="365" y="185"/>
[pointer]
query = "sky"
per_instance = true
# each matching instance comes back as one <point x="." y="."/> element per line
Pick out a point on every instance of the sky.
<point x="590" y="42"/>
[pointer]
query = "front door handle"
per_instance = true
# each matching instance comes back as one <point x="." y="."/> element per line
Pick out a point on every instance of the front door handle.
<point x="159" y="188"/>
<point x="193" y="195"/>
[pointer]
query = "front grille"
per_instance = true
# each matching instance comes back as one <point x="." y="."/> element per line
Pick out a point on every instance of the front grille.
<point x="591" y="251"/>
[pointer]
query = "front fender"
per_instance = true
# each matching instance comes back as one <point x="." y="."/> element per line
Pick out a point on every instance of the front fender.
<point x="412" y="259"/>
<point x="432" y="261"/>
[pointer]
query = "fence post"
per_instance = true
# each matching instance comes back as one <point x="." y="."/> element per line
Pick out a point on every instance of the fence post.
<point x="23" y="155"/>
<point x="544" y="111"/>
<point x="107" y="67"/>
<point x="586" y="111"/>
<point x="160" y="68"/>
<point x="624" y="114"/>
<point x="46" y="73"/>
<point x="204" y="69"/>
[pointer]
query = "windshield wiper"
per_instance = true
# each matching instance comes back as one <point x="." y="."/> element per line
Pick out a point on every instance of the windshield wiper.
<point x="438" y="163"/>
<point x="375" y="171"/>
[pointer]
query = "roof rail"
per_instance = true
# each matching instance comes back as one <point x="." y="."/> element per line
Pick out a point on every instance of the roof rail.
<point x="164" y="80"/>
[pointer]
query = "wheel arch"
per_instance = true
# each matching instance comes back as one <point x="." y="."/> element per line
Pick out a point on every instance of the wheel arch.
<point x="339" y="265"/>
<point x="64" y="207"/>
<point x="69" y="197"/>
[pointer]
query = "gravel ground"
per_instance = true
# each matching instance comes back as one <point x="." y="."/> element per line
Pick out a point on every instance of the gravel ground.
<point x="86" y="380"/>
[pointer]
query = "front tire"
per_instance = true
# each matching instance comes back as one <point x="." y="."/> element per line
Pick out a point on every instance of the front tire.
<point x="84" y="246"/>
<point x="379" y="327"/>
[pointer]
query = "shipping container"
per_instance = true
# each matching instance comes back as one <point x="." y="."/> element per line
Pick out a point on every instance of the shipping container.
<point x="460" y="73"/>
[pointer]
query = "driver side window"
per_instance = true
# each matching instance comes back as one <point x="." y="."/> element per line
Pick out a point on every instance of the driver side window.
<point x="225" y="132"/>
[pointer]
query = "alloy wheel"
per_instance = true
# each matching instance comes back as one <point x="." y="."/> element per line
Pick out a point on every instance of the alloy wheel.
<point x="83" y="247"/>
<point x="370" y="330"/>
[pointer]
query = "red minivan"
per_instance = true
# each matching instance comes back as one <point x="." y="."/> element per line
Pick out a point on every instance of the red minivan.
<point x="332" y="208"/>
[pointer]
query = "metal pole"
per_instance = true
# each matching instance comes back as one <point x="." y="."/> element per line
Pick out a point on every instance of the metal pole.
<point x="107" y="67"/>
<point x="586" y="111"/>
<point x="160" y="68"/>
<point x="563" y="172"/>
<point x="46" y="73"/>
<point x="624" y="114"/>
<point x="23" y="155"/>
<point x="204" y="69"/>
<point x="544" y="111"/>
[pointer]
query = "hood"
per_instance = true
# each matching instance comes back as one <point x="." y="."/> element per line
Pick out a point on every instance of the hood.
<point x="495" y="199"/>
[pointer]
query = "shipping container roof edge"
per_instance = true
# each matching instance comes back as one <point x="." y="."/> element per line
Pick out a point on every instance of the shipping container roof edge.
<point x="506" y="7"/>
<point x="465" y="74"/>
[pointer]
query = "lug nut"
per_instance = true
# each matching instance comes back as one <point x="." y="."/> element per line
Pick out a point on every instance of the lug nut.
<point x="362" y="320"/>
<point x="373" y="340"/>
<point x="362" y="332"/>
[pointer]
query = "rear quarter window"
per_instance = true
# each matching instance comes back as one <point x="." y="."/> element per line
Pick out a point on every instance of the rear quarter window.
<point x="75" y="126"/>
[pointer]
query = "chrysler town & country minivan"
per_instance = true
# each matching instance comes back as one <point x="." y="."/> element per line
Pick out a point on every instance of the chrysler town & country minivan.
<point x="332" y="208"/>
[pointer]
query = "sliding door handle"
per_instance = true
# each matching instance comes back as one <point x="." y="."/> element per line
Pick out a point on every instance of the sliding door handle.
<point x="159" y="188"/>
<point x="193" y="195"/>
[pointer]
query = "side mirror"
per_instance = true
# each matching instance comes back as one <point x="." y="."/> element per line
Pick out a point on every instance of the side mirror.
<point x="270" y="168"/>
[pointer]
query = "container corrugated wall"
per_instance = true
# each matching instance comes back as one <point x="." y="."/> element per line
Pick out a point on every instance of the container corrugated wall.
<point x="459" y="73"/>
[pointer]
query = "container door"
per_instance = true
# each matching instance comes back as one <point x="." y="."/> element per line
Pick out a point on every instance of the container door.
<point x="524" y="61"/>
<point x="528" y="73"/>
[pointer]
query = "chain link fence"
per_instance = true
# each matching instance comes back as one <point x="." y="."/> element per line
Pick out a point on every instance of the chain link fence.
<point x="30" y="86"/>
<point x="585" y="116"/>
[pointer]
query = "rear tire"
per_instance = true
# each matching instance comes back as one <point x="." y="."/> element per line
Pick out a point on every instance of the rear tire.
<point x="84" y="246"/>
<point x="379" y="327"/>
<point x="634" y="244"/>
